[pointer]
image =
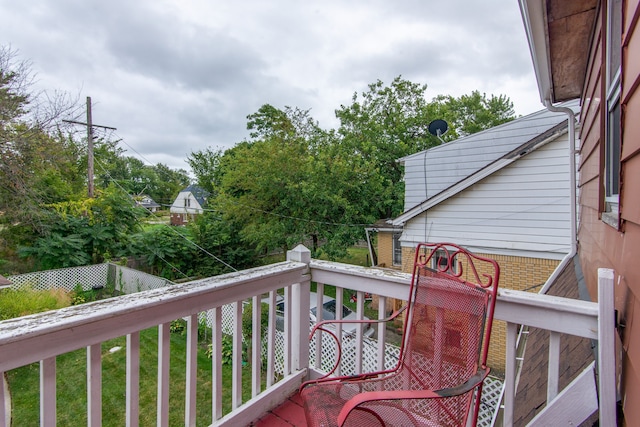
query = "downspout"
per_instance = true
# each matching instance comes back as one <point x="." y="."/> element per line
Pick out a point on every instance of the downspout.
<point x="571" y="117"/>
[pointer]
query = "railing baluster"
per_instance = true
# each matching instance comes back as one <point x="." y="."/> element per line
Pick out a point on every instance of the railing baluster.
<point x="300" y="326"/>
<point x="271" y="340"/>
<point x="382" y="336"/>
<point x="48" y="392"/>
<point x="319" y="315"/>
<point x="553" y="373"/>
<point x="510" y="374"/>
<point x="163" y="375"/>
<point x="192" y="371"/>
<point x="216" y="364"/>
<point x="359" y="316"/>
<point x="339" y="303"/>
<point x="287" y="330"/>
<point x="236" y="382"/>
<point x="256" y="346"/>
<point x="5" y="420"/>
<point x="94" y="385"/>
<point x="133" y="380"/>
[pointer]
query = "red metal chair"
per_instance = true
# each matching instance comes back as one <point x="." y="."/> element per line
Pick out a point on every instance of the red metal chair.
<point x="442" y="356"/>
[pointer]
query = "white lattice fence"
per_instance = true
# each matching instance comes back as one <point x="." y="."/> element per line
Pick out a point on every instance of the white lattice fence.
<point x="129" y="281"/>
<point x="87" y="277"/>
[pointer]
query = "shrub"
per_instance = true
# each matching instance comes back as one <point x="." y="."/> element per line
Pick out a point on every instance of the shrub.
<point x="22" y="302"/>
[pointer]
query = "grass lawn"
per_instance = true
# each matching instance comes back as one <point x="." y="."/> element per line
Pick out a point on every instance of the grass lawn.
<point x="71" y="385"/>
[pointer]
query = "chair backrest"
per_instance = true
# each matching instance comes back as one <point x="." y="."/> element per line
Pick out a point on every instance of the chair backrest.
<point x="449" y="317"/>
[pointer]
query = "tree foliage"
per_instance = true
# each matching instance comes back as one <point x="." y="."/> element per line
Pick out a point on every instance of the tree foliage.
<point x="294" y="182"/>
<point x="85" y="231"/>
<point x="43" y="177"/>
<point x="471" y="113"/>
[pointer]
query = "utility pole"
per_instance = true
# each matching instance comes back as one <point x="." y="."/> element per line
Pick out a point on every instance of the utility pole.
<point x="89" y="124"/>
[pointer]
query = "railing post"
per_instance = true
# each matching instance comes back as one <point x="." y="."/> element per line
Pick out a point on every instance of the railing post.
<point x="510" y="374"/>
<point x="300" y="312"/>
<point x="606" y="348"/>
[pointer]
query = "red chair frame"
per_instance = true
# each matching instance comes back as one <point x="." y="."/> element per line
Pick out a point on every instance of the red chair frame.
<point x="443" y="355"/>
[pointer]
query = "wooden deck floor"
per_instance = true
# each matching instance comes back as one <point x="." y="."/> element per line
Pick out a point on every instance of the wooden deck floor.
<point x="290" y="413"/>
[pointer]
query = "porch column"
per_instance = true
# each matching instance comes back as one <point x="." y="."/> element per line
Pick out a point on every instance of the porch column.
<point x="300" y="311"/>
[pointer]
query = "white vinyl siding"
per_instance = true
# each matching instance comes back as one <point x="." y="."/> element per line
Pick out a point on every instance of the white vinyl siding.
<point x="452" y="162"/>
<point x="185" y="203"/>
<point x="523" y="207"/>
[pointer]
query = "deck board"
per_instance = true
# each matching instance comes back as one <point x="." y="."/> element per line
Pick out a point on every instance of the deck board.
<point x="290" y="413"/>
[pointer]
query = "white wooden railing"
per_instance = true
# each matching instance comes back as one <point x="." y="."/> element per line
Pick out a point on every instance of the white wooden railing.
<point x="42" y="337"/>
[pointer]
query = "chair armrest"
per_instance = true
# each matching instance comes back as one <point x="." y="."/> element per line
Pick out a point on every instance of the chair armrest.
<point x="320" y="326"/>
<point x="371" y="396"/>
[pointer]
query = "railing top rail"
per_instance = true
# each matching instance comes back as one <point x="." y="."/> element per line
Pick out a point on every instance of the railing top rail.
<point x="356" y="270"/>
<point x="54" y="332"/>
<point x="564" y="315"/>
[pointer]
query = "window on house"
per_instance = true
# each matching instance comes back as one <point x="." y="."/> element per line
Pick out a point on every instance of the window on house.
<point x="187" y="202"/>
<point x="397" y="249"/>
<point x="613" y="146"/>
<point x="440" y="262"/>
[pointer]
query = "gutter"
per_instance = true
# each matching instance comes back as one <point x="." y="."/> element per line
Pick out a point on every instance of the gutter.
<point x="571" y="118"/>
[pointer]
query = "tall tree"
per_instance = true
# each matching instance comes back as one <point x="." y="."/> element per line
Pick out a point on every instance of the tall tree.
<point x="387" y="123"/>
<point x="38" y="163"/>
<point x="471" y="113"/>
<point x="382" y="125"/>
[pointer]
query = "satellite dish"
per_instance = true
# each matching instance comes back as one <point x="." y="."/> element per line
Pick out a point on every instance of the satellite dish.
<point x="438" y="127"/>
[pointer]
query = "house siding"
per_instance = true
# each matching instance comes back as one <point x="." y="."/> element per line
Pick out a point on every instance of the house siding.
<point x="601" y="245"/>
<point x="454" y="161"/>
<point x="524" y="207"/>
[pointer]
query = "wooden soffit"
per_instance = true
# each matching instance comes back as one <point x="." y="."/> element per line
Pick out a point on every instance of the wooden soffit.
<point x="570" y="24"/>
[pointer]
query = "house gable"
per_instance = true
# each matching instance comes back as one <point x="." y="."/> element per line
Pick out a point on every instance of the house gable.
<point x="522" y="208"/>
<point x="433" y="171"/>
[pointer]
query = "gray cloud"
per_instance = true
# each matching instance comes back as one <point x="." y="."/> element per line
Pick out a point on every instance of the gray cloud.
<point x="175" y="77"/>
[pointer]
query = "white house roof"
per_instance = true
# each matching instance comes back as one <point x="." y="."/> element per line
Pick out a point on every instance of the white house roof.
<point x="447" y="169"/>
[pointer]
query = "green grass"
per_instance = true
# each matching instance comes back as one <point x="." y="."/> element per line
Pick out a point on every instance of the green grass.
<point x="356" y="255"/>
<point x="71" y="385"/>
<point x="20" y="302"/>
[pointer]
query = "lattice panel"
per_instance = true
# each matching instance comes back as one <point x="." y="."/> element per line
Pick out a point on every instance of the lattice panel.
<point x="88" y="276"/>
<point x="490" y="401"/>
<point x="129" y="281"/>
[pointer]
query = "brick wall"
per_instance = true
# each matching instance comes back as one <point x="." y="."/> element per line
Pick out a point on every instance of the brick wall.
<point x="385" y="249"/>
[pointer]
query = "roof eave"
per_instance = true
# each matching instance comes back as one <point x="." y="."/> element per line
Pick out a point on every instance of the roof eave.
<point x="534" y="19"/>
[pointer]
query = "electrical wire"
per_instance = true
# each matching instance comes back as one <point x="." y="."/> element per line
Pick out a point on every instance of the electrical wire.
<point x="173" y="230"/>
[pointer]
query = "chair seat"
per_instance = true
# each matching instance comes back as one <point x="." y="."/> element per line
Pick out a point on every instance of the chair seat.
<point x="324" y="401"/>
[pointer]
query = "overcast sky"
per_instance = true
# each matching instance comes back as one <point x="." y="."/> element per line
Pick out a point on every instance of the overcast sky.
<point x="176" y="76"/>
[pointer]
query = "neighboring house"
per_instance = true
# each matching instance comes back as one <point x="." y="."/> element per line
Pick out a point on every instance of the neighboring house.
<point x="148" y="203"/>
<point x="189" y="202"/>
<point x="389" y="250"/>
<point x="589" y="50"/>
<point x="502" y="193"/>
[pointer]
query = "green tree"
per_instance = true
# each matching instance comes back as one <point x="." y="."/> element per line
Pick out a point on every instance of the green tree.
<point x="167" y="252"/>
<point x="85" y="231"/>
<point x="38" y="163"/>
<point x="205" y="165"/>
<point x="387" y="123"/>
<point x="471" y="113"/>
<point x="382" y="125"/>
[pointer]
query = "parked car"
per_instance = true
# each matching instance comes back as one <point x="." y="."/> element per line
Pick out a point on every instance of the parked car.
<point x="328" y="313"/>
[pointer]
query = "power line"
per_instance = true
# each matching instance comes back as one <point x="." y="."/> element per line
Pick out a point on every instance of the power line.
<point x="89" y="124"/>
<point x="173" y="230"/>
